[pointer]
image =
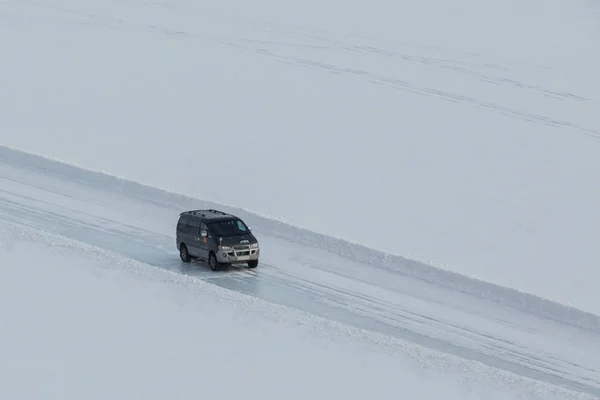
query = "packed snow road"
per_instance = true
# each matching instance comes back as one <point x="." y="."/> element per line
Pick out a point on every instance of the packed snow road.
<point x="327" y="277"/>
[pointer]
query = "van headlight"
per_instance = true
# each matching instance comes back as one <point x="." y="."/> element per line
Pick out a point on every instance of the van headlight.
<point x="254" y="246"/>
<point x="225" y="248"/>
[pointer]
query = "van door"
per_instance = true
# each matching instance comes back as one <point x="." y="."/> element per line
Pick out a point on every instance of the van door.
<point x="195" y="240"/>
<point x="203" y="242"/>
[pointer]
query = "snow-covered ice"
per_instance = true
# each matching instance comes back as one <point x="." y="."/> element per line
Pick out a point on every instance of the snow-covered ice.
<point x="461" y="135"/>
<point x="79" y="322"/>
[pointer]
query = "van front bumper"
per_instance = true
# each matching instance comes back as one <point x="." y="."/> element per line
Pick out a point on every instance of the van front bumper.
<point x="237" y="254"/>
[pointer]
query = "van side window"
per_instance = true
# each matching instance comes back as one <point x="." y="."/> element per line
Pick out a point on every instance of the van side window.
<point x="194" y="226"/>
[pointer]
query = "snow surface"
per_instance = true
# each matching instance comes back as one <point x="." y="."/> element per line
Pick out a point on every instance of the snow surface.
<point x="463" y="134"/>
<point x="79" y="322"/>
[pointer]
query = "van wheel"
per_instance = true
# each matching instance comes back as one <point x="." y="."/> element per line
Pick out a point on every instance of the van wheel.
<point x="183" y="253"/>
<point x="252" y="263"/>
<point x="212" y="262"/>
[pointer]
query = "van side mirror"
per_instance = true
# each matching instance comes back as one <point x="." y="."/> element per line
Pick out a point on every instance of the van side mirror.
<point x="203" y="233"/>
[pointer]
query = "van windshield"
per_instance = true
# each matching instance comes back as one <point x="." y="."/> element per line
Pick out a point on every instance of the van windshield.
<point x="231" y="227"/>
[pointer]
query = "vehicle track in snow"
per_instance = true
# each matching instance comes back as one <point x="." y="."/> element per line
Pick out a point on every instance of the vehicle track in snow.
<point x="304" y="273"/>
